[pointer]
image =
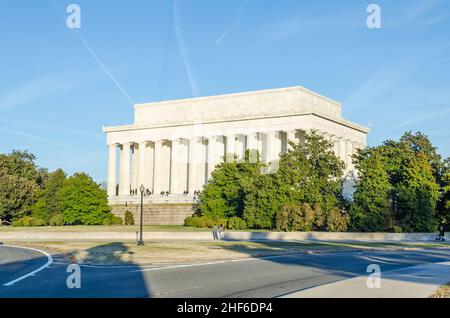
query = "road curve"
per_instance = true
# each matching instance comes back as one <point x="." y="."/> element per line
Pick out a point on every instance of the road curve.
<point x="18" y="263"/>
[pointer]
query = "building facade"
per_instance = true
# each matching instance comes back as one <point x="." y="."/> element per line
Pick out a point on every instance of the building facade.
<point x="173" y="146"/>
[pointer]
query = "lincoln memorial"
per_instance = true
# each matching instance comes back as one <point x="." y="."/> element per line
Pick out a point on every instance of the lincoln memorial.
<point x="173" y="146"/>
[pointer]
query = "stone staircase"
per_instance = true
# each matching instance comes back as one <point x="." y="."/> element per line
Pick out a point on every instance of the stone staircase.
<point x="156" y="214"/>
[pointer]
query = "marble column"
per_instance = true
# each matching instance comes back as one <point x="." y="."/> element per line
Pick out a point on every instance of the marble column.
<point x="240" y="147"/>
<point x="134" y="167"/>
<point x="157" y="167"/>
<point x="230" y="148"/>
<point x="192" y="171"/>
<point x="290" y="138"/>
<point x="142" y="168"/>
<point x="174" y="157"/>
<point x="252" y="147"/>
<point x="342" y="150"/>
<point x="124" y="187"/>
<point x="349" y="153"/>
<point x="269" y="147"/>
<point x="182" y="169"/>
<point x="149" y="157"/>
<point x="112" y="169"/>
<point x="210" y="155"/>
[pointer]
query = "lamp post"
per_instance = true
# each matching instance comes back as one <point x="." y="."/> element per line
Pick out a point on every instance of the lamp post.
<point x="141" y="240"/>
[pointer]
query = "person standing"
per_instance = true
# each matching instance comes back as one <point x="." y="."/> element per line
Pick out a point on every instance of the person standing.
<point x="222" y="231"/>
<point x="215" y="234"/>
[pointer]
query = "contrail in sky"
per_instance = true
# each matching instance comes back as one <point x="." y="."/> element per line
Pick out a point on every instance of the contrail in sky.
<point x="94" y="55"/>
<point x="183" y="50"/>
<point x="236" y="23"/>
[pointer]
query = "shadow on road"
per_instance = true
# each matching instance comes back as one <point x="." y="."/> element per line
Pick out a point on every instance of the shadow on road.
<point x="111" y="276"/>
<point x="342" y="265"/>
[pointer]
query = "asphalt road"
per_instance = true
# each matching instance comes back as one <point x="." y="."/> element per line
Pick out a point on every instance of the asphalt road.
<point x="264" y="277"/>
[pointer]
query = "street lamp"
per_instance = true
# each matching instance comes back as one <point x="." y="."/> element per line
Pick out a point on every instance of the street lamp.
<point x="141" y="240"/>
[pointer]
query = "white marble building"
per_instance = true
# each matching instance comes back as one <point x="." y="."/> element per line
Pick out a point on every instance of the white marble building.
<point x="173" y="146"/>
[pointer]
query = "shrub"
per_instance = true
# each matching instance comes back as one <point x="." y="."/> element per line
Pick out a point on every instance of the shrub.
<point x="28" y="221"/>
<point x="37" y="222"/>
<point x="236" y="223"/>
<point x="204" y="221"/>
<point x="129" y="218"/>
<point x="17" y="223"/>
<point x="294" y="217"/>
<point x="111" y="219"/>
<point x="337" y="221"/>
<point x="116" y="220"/>
<point x="57" y="220"/>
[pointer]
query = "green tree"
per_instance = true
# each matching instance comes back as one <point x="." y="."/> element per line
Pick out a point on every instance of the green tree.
<point x="417" y="196"/>
<point x="17" y="194"/>
<point x="309" y="173"/>
<point x="402" y="161"/>
<point x="20" y="181"/>
<point x="371" y="206"/>
<point x="443" y="209"/>
<point x="48" y="204"/>
<point x="225" y="192"/>
<point x="82" y="201"/>
<point x="263" y="200"/>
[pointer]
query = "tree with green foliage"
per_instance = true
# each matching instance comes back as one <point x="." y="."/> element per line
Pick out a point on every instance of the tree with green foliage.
<point x="20" y="181"/>
<point x="17" y="194"/>
<point x="413" y="168"/>
<point x="417" y="196"/>
<point x="443" y="209"/>
<point x="309" y="172"/>
<point x="82" y="201"/>
<point x="263" y="200"/>
<point x="371" y="207"/>
<point x="224" y="194"/>
<point x="48" y="203"/>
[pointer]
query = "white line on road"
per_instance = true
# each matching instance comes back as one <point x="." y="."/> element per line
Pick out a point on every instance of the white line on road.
<point x="216" y="263"/>
<point x="49" y="262"/>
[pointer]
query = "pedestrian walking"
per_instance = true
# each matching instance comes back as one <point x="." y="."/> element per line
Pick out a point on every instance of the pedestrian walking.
<point x="222" y="231"/>
<point x="215" y="234"/>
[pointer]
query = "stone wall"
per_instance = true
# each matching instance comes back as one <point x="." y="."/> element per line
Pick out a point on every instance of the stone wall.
<point x="156" y="214"/>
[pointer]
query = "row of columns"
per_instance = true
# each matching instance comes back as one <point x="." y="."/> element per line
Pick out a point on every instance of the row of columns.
<point x="184" y="165"/>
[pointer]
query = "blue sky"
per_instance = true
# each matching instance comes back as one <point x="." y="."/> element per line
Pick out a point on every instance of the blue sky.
<point x="58" y="87"/>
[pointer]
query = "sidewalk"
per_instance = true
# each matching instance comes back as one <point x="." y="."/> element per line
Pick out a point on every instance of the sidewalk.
<point x="413" y="282"/>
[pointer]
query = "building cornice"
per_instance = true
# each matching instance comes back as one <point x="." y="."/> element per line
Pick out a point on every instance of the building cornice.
<point x="341" y="121"/>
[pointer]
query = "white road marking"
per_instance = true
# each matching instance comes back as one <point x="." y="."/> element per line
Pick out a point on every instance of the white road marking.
<point x="49" y="262"/>
<point x="216" y="263"/>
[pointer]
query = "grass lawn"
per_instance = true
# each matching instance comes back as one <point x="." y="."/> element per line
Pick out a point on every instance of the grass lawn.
<point x="109" y="228"/>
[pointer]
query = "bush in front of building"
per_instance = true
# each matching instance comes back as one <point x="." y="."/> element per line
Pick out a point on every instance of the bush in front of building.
<point x="28" y="221"/>
<point x="235" y="223"/>
<point x="112" y="219"/>
<point x="295" y="217"/>
<point x="129" y="218"/>
<point x="205" y="221"/>
<point x="56" y="220"/>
